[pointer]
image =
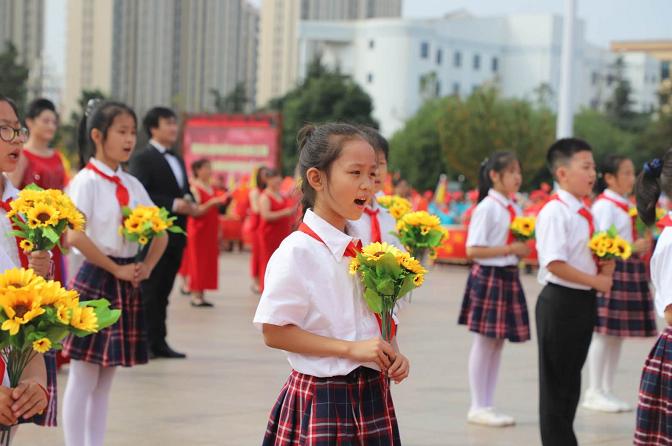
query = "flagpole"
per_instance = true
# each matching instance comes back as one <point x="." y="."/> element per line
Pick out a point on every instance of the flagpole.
<point x="564" y="126"/>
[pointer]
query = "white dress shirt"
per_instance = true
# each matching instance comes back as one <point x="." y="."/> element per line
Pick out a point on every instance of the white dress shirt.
<point x="307" y="284"/>
<point x="95" y="197"/>
<point x="173" y="162"/>
<point x="361" y="228"/>
<point x="661" y="271"/>
<point x="490" y="225"/>
<point x="606" y="213"/>
<point x="562" y="235"/>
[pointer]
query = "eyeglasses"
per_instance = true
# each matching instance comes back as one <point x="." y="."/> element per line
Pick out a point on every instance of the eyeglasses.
<point x="9" y="134"/>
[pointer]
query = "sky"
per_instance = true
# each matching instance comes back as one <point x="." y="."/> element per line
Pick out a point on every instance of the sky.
<point x="606" y="20"/>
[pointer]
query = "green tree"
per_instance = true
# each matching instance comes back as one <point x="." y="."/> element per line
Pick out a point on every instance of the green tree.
<point x="234" y="102"/>
<point x="604" y="135"/>
<point x="415" y="150"/>
<point x="323" y="96"/>
<point x="471" y="129"/>
<point x="13" y="82"/>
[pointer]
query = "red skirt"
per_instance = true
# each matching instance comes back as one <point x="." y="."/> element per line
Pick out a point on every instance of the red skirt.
<point x="125" y="342"/>
<point x="494" y="304"/>
<point x="628" y="309"/>
<point x="654" y="411"/>
<point x="355" y="409"/>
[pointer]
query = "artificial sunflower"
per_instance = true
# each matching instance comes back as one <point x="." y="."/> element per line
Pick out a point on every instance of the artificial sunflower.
<point x="26" y="245"/>
<point x="63" y="314"/>
<point x="42" y="215"/>
<point x="42" y="345"/>
<point x="16" y="278"/>
<point x="418" y="279"/>
<point x="84" y="318"/>
<point x="20" y="307"/>
<point x="143" y="240"/>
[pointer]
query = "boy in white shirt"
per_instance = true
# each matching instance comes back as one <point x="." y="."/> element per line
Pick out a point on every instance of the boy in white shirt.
<point x="566" y="308"/>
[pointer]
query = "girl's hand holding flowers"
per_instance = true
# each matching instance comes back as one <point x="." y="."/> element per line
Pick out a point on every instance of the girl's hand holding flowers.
<point x="40" y="262"/>
<point x="519" y="249"/>
<point x="374" y="350"/>
<point x="399" y="369"/>
<point x="30" y="399"/>
<point x="7" y="416"/>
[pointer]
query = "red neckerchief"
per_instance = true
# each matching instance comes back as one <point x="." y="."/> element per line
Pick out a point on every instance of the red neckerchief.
<point x="583" y="211"/>
<point x="23" y="258"/>
<point x="512" y="215"/>
<point x="121" y="192"/>
<point x="350" y="251"/>
<point x="625" y="208"/>
<point x="664" y="222"/>
<point x="375" y="224"/>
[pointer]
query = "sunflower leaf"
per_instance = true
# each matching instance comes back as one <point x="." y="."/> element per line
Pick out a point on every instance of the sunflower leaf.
<point x="407" y="286"/>
<point x="373" y="300"/>
<point x="50" y="234"/>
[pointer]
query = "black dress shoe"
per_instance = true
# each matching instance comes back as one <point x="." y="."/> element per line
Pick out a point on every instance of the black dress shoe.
<point x="202" y="304"/>
<point x="166" y="352"/>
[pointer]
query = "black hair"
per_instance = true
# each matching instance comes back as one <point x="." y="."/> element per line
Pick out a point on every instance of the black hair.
<point x="377" y="141"/>
<point x="319" y="147"/>
<point x="261" y="177"/>
<point x="39" y="105"/>
<point x="562" y="150"/>
<point x="100" y="116"/>
<point x="12" y="104"/>
<point x="270" y="172"/>
<point x="499" y="162"/>
<point x="151" y="119"/>
<point x="610" y="165"/>
<point x="196" y="165"/>
<point x="656" y="177"/>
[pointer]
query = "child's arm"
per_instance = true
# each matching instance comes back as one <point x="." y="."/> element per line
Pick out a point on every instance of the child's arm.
<point x="30" y="396"/>
<point x="83" y="243"/>
<point x="485" y="252"/>
<point x="269" y="215"/>
<point x="202" y="208"/>
<point x="294" y="339"/>
<point x="400" y="367"/>
<point x="144" y="269"/>
<point x="40" y="262"/>
<point x="668" y="314"/>
<point x="600" y="282"/>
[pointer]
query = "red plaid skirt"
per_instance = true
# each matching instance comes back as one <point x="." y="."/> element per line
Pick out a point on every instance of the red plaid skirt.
<point x="124" y="343"/>
<point x="350" y="410"/>
<point x="494" y="303"/>
<point x="628" y="310"/>
<point x="654" y="411"/>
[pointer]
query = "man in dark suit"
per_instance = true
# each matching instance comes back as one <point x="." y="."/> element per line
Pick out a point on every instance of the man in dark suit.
<point x="163" y="174"/>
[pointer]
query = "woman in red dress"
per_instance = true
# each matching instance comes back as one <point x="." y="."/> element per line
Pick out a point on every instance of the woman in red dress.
<point x="252" y="226"/>
<point x="202" y="252"/>
<point x="276" y="214"/>
<point x="41" y="164"/>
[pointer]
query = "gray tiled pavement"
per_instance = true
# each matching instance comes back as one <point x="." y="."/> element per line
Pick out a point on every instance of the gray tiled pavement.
<point x="221" y="395"/>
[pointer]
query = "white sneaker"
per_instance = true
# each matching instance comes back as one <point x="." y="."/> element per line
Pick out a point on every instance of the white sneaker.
<point x="596" y="400"/>
<point x="622" y="405"/>
<point x="488" y="417"/>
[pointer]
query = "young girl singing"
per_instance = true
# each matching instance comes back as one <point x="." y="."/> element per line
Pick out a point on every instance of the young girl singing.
<point x="311" y="307"/>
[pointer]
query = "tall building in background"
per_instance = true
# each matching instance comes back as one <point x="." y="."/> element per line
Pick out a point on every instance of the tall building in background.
<point x="278" y="49"/>
<point x="89" y="49"/>
<point x="22" y="24"/>
<point x="170" y="52"/>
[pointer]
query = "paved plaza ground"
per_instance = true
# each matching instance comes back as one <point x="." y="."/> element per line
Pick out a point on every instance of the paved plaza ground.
<point x="222" y="393"/>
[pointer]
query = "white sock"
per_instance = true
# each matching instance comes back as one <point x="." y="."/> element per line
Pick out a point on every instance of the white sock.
<point x="485" y="352"/>
<point x="613" y="349"/>
<point x="596" y="360"/>
<point x="96" y="412"/>
<point x="85" y="403"/>
<point x="82" y="380"/>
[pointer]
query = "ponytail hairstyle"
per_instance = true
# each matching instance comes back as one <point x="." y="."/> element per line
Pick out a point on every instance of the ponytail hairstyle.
<point x="319" y="147"/>
<point x="499" y="162"/>
<point x="655" y="177"/>
<point x="99" y="115"/>
<point x="609" y="166"/>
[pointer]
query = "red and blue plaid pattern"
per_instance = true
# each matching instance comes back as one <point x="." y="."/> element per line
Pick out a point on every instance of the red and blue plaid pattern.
<point x="124" y="343"/>
<point x="355" y="409"/>
<point x="628" y="310"/>
<point x="654" y="411"/>
<point x="494" y="303"/>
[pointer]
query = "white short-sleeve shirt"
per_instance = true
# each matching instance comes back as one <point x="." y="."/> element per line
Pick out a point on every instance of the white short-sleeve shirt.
<point x="563" y="235"/>
<point x="607" y="213"/>
<point x="307" y="284"/>
<point x="661" y="271"/>
<point x="9" y="253"/>
<point x="95" y="197"/>
<point x="490" y="225"/>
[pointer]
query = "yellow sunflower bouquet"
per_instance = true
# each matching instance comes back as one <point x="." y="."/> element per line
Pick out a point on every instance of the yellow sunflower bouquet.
<point x="143" y="223"/>
<point x="421" y="232"/>
<point x="522" y="228"/>
<point x="37" y="314"/>
<point x="41" y="216"/>
<point x="608" y="245"/>
<point x="396" y="205"/>
<point x="387" y="274"/>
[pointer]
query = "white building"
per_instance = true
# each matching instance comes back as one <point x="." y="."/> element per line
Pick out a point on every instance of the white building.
<point x="402" y="62"/>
